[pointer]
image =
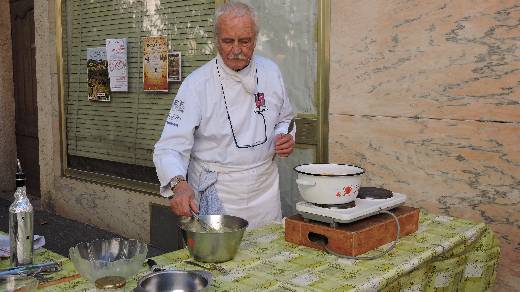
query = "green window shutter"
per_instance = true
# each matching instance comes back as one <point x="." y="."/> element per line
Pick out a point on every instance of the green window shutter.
<point x="125" y="129"/>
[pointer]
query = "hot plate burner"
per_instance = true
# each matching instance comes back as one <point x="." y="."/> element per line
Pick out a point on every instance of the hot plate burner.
<point x="374" y="193"/>
<point x="338" y="206"/>
<point x="363" y="208"/>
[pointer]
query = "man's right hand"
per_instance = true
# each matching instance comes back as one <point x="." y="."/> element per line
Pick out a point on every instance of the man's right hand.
<point x="184" y="200"/>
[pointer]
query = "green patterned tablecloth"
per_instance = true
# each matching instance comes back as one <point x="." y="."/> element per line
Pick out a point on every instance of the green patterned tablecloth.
<point x="445" y="254"/>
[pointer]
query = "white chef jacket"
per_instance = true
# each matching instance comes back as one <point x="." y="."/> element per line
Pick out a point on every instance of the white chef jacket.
<point x="212" y="114"/>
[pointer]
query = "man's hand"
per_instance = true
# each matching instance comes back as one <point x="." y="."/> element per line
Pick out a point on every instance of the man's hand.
<point x="184" y="200"/>
<point x="284" y="145"/>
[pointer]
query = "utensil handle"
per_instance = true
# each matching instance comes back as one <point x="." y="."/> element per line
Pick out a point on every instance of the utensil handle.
<point x="202" y="223"/>
<point x="305" y="182"/>
<point x="196" y="264"/>
<point x="291" y="126"/>
<point x="154" y="267"/>
<point x="30" y="269"/>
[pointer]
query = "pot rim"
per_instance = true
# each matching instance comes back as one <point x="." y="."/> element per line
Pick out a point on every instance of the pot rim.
<point x="244" y="222"/>
<point x="332" y="175"/>
<point x="143" y="246"/>
<point x="170" y="271"/>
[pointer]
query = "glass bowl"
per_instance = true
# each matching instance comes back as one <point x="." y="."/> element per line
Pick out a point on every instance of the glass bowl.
<point x="18" y="284"/>
<point x="108" y="257"/>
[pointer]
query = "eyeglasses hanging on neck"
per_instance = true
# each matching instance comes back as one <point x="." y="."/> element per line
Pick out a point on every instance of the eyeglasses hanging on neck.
<point x="259" y="102"/>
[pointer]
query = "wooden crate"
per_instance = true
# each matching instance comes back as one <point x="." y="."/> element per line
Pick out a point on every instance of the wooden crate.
<point x="354" y="238"/>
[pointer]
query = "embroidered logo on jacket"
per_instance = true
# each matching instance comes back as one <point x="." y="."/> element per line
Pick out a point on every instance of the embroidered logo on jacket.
<point x="260" y="102"/>
<point x="175" y="114"/>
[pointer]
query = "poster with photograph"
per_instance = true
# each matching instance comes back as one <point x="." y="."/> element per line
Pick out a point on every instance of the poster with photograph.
<point x="155" y="63"/>
<point x="117" y="64"/>
<point x="97" y="72"/>
<point x="174" y="67"/>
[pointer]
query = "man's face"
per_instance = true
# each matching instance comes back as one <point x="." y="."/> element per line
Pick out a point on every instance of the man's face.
<point x="236" y="40"/>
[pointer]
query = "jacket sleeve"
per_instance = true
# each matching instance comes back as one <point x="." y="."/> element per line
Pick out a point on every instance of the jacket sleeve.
<point x="172" y="152"/>
<point x="286" y="113"/>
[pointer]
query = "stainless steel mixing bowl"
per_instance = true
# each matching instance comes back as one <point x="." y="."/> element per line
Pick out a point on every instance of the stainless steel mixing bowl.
<point x="170" y="280"/>
<point x="216" y="246"/>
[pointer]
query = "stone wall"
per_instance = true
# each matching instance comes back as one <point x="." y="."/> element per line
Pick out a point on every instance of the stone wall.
<point x="7" y="112"/>
<point x="426" y="96"/>
<point x="48" y="101"/>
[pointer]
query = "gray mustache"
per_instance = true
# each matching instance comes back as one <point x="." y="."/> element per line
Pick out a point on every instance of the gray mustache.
<point x="237" y="57"/>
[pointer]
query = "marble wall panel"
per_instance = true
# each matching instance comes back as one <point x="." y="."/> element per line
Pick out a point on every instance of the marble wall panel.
<point x="444" y="165"/>
<point x="466" y="169"/>
<point x="438" y="59"/>
<point x="426" y="96"/>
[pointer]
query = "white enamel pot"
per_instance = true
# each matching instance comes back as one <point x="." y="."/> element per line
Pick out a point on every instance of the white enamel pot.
<point x="328" y="183"/>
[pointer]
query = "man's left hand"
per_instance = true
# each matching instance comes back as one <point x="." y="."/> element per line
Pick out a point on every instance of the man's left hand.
<point x="284" y="145"/>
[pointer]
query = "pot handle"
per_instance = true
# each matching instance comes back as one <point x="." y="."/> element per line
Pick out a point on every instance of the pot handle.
<point x="154" y="267"/>
<point x="305" y="182"/>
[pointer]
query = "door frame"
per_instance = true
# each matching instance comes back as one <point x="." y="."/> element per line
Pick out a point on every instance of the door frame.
<point x="322" y="88"/>
<point x="23" y="62"/>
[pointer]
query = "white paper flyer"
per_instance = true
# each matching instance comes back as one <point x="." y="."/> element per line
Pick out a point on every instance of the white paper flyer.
<point x="117" y="64"/>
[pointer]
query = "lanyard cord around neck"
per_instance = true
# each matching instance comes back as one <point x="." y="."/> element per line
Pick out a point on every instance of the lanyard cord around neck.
<point x="229" y="117"/>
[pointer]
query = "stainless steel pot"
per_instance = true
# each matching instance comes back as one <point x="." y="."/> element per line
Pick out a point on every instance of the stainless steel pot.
<point x="328" y="183"/>
<point x="172" y="280"/>
<point x="161" y="280"/>
<point x="219" y="245"/>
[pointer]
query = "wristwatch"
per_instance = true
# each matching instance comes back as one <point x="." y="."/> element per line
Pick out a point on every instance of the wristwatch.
<point x="173" y="183"/>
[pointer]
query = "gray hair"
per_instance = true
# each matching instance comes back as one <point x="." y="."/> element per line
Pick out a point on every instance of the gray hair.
<point x="237" y="9"/>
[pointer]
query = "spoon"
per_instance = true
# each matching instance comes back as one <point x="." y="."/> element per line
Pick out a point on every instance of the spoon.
<point x="202" y="223"/>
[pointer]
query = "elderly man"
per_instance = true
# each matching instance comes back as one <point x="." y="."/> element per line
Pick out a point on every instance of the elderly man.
<point x="229" y="119"/>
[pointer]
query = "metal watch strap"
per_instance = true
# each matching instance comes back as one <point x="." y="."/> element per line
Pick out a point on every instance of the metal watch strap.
<point x="173" y="183"/>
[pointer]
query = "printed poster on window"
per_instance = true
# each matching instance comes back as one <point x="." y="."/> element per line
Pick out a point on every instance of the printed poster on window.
<point x="117" y="64"/>
<point x="97" y="71"/>
<point x="155" y="63"/>
<point x="174" y="67"/>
